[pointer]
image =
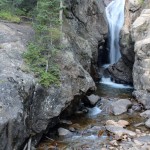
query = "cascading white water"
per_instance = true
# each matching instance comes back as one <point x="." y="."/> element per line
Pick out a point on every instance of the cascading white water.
<point x="115" y="17"/>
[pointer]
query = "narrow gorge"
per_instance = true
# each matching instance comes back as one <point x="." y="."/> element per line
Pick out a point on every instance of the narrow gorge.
<point x="75" y="74"/>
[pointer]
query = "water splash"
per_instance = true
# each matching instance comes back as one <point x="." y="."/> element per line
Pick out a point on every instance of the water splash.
<point x="94" y="111"/>
<point x="108" y="81"/>
<point x="115" y="17"/>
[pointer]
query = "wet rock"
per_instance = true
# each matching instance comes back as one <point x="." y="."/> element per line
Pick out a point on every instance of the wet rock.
<point x="63" y="132"/>
<point x="120" y="106"/>
<point x="134" y="5"/>
<point x="123" y="123"/>
<point x="137" y="142"/>
<point x="137" y="107"/>
<point x="120" y="123"/>
<point x="112" y="122"/>
<point x="93" y="99"/>
<point x="66" y="122"/>
<point x="138" y="131"/>
<point x="145" y="114"/>
<point x="72" y="129"/>
<point x="147" y="123"/>
<point x="76" y="126"/>
<point x="143" y="139"/>
<point x="119" y="131"/>
<point x="143" y="97"/>
<point x="114" y="142"/>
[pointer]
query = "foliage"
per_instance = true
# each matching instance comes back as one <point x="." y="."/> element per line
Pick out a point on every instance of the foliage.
<point x="38" y="64"/>
<point x="6" y="15"/>
<point x="42" y="52"/>
<point x="15" y="8"/>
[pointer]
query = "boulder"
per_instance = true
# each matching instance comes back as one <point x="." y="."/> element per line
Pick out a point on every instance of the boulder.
<point x="120" y="106"/>
<point x="93" y="99"/>
<point x="63" y="132"/>
<point x="119" y="131"/>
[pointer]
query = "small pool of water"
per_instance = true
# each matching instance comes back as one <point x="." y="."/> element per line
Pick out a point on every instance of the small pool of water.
<point x="106" y="90"/>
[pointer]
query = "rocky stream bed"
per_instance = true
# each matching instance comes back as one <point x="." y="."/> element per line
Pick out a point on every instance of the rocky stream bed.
<point x="117" y="122"/>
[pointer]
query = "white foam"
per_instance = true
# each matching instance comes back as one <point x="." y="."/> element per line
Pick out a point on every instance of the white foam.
<point x="94" y="111"/>
<point x="108" y="81"/>
<point x="106" y="66"/>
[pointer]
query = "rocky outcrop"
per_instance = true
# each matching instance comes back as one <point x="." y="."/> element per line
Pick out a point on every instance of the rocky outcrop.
<point x="122" y="71"/>
<point x="27" y="110"/>
<point x="141" y="70"/>
<point x="85" y="28"/>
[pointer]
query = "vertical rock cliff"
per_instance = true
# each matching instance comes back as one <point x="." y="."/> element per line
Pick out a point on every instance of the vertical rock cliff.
<point x="85" y="29"/>
<point x="141" y="69"/>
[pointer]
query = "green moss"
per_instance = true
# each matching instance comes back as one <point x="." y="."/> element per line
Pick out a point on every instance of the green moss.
<point x="6" y="15"/>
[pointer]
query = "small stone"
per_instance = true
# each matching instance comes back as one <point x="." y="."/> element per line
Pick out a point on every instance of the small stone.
<point x="138" y="131"/>
<point x="123" y="123"/>
<point x="112" y="122"/>
<point x="93" y="99"/>
<point x="114" y="142"/>
<point x="138" y="135"/>
<point x="66" y="122"/>
<point x="103" y="149"/>
<point x="111" y="147"/>
<point x="63" y="132"/>
<point x="124" y="137"/>
<point x="76" y="126"/>
<point x="72" y="129"/>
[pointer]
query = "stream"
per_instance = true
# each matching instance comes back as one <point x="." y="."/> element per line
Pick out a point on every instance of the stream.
<point x="87" y="130"/>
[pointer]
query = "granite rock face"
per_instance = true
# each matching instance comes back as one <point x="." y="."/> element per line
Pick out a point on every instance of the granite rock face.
<point x="141" y="69"/>
<point x="85" y="29"/>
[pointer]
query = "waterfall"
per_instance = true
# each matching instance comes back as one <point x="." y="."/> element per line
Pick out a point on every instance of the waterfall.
<point x="115" y="17"/>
